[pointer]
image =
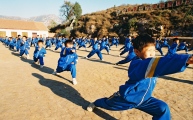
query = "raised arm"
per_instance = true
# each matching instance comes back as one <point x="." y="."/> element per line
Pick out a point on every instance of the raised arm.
<point x="154" y="67"/>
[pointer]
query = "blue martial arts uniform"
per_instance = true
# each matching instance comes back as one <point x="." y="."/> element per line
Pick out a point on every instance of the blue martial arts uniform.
<point x="24" y="47"/>
<point x="131" y="55"/>
<point x="11" y="44"/>
<point x="103" y="45"/>
<point x="158" y="47"/>
<point x="91" y="43"/>
<point x="18" y="44"/>
<point x="137" y="91"/>
<point x="127" y="40"/>
<point x="82" y="43"/>
<point x="182" y="46"/>
<point x="58" y="44"/>
<point x="95" y="50"/>
<point x="114" y="42"/>
<point x="67" y="61"/>
<point x="172" y="49"/>
<point x="39" y="54"/>
<point x="127" y="47"/>
<point x="48" y="43"/>
<point x="165" y="44"/>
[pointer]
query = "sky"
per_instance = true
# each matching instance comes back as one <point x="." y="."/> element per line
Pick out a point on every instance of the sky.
<point x="30" y="8"/>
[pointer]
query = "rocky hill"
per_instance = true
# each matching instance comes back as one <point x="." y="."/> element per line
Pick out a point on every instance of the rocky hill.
<point x="118" y="21"/>
<point x="43" y="18"/>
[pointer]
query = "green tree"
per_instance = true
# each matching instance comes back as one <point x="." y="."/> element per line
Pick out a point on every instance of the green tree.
<point x="66" y="10"/>
<point x="77" y="10"/>
<point x="69" y="10"/>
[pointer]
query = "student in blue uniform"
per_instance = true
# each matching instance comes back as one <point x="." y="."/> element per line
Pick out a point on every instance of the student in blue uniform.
<point x="39" y="53"/>
<point x="33" y="42"/>
<point x="68" y="60"/>
<point x="7" y="41"/>
<point x="158" y="46"/>
<point x="11" y="43"/>
<point x="24" y="47"/>
<point x="165" y="43"/>
<point x="142" y="73"/>
<point x="131" y="55"/>
<point x="127" y="40"/>
<point x="82" y="43"/>
<point x="115" y="42"/>
<point x="103" y="45"/>
<point x="18" y="43"/>
<point x="59" y="43"/>
<point x="95" y="50"/>
<point x="48" y="43"/>
<point x="91" y="42"/>
<point x="173" y="49"/>
<point x="126" y="48"/>
<point x="183" y="46"/>
<point x="53" y="41"/>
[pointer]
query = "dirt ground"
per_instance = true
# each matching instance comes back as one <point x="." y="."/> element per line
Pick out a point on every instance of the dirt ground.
<point x="30" y="93"/>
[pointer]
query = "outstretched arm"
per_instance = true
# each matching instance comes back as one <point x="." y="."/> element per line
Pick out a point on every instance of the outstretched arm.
<point x="155" y="67"/>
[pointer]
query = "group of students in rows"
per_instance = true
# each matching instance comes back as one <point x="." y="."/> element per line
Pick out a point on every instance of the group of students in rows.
<point x="182" y="46"/>
<point x="143" y="70"/>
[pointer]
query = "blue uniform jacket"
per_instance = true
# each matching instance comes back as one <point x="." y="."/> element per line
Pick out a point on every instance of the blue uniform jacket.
<point x="143" y="74"/>
<point x="173" y="49"/>
<point x="67" y="58"/>
<point x="182" y="46"/>
<point x="24" y="45"/>
<point x="95" y="46"/>
<point x="39" y="53"/>
<point x="127" y="41"/>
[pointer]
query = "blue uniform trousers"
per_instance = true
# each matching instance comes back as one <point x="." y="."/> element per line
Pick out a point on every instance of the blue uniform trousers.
<point x="105" y="47"/>
<point x="98" y="52"/>
<point x="23" y="51"/>
<point x="71" y="68"/>
<point x="124" y="51"/>
<point x="155" y="107"/>
<point x="41" y="60"/>
<point x="126" y="60"/>
<point x="185" y="48"/>
<point x="160" y="50"/>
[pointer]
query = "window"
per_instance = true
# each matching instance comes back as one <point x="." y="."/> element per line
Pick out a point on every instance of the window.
<point x="14" y="34"/>
<point x="24" y="34"/>
<point x="2" y="33"/>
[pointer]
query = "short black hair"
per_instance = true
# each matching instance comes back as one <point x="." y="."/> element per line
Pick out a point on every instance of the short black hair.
<point x="68" y="42"/>
<point x="40" y="41"/>
<point x="142" y="41"/>
<point x="175" y="39"/>
<point x="25" y="36"/>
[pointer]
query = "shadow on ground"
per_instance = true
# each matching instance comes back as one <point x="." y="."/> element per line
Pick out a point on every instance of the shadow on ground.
<point x="66" y="91"/>
<point x="176" y="79"/>
<point x="45" y="69"/>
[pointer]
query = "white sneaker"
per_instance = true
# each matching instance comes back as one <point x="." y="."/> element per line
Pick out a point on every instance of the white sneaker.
<point x="86" y="57"/>
<point x="91" y="107"/>
<point x="102" y="59"/>
<point x="74" y="81"/>
<point x="28" y="57"/>
<point x="41" y="66"/>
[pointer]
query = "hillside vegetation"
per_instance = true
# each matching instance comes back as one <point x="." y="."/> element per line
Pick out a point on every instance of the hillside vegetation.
<point x="177" y="21"/>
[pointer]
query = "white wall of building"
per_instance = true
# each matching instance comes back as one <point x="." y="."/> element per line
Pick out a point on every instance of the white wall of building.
<point x="19" y="32"/>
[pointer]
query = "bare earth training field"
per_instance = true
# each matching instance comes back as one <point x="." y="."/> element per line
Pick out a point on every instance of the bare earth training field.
<point x="30" y="93"/>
